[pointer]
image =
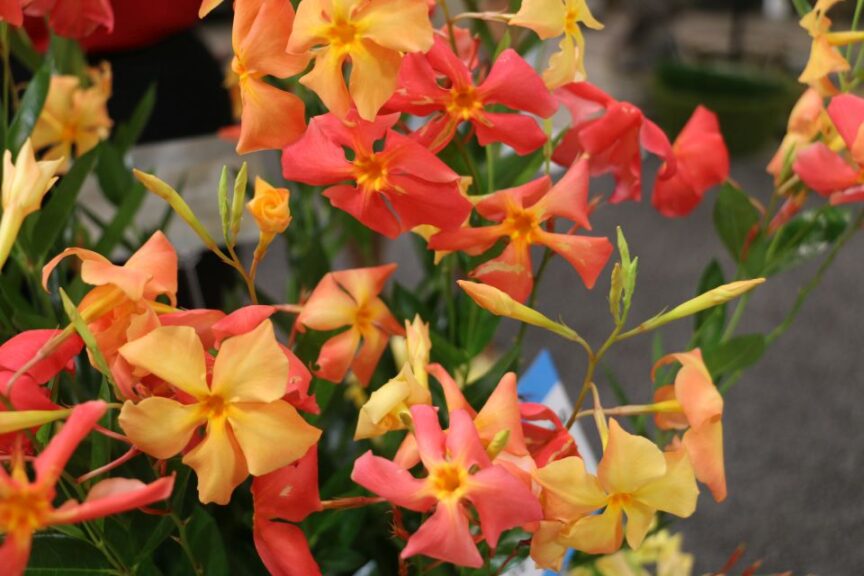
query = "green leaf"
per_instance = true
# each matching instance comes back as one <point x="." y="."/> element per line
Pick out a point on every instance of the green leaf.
<point x="57" y="554"/>
<point x="503" y="44"/>
<point x="22" y="49"/>
<point x="68" y="57"/>
<point x="803" y="7"/>
<point x="709" y="323"/>
<point x="113" y="233"/>
<point x="29" y="109"/>
<point x="56" y="212"/>
<point x="206" y="543"/>
<point x="114" y="177"/>
<point x="807" y="236"/>
<point x="86" y="335"/>
<point x="734" y="217"/>
<point x="127" y="134"/>
<point x="735" y="354"/>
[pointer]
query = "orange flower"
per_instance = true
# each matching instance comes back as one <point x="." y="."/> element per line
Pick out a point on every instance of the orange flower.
<point x="634" y="478"/>
<point x="251" y="429"/>
<point x="74" y="117"/>
<point x="702" y="407"/>
<point x="271" y="118"/>
<point x="350" y="299"/>
<point x="825" y="59"/>
<point x="373" y="35"/>
<point x="807" y="119"/>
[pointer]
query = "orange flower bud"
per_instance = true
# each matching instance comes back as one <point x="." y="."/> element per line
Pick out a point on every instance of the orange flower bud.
<point x="270" y="208"/>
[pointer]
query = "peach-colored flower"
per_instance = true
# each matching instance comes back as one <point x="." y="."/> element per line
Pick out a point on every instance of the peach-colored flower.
<point x="251" y="429"/>
<point x="825" y="59"/>
<point x="701" y="411"/>
<point x="349" y="299"/>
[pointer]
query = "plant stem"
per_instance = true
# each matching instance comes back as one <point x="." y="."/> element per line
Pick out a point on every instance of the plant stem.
<point x="183" y="540"/>
<point x="593" y="360"/>
<point x="351" y="502"/>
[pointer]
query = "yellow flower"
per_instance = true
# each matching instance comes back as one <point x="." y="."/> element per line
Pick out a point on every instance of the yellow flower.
<point x="553" y="18"/>
<point x="25" y="183"/>
<point x="74" y="117"/>
<point x="372" y="34"/>
<point x="634" y="478"/>
<point x="251" y="429"/>
<point x="388" y="408"/>
<point x="825" y="59"/>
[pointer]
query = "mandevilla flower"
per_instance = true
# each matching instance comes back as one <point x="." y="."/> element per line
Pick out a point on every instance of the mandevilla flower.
<point x="371" y="35"/>
<point x="459" y="473"/>
<point x="74" y="117"/>
<point x="806" y="121"/>
<point x="552" y="18"/>
<point x="250" y="428"/>
<point x="388" y="407"/>
<point x="349" y="298"/>
<point x="69" y="18"/>
<point x="634" y="478"/>
<point x="271" y="118"/>
<point x="700" y="412"/>
<point x="839" y="177"/>
<point x="395" y="189"/>
<point x="519" y="214"/>
<point x="612" y="133"/>
<point x="701" y="161"/>
<point x="25" y="183"/>
<point x="27" y="506"/>
<point x="511" y="82"/>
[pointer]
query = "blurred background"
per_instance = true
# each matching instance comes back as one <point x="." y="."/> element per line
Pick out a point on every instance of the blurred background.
<point x="794" y="423"/>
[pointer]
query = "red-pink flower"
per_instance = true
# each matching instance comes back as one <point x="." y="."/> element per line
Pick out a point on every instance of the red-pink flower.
<point x="349" y="300"/>
<point x="289" y="494"/>
<point x="613" y="133"/>
<point x="27" y="506"/>
<point x="69" y="18"/>
<point x="701" y="162"/>
<point x="459" y="474"/>
<point x="511" y="82"/>
<point x="519" y="214"/>
<point x="392" y="190"/>
<point x="839" y="177"/>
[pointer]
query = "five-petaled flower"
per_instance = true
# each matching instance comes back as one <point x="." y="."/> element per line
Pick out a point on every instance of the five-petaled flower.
<point x="251" y="429"/>
<point x="372" y="35"/>
<point x="459" y="473"/>
<point x="518" y="215"/>
<point x="511" y="82"/>
<point x="395" y="188"/>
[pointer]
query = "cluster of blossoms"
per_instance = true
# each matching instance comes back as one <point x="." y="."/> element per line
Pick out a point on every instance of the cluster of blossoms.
<point x="232" y="396"/>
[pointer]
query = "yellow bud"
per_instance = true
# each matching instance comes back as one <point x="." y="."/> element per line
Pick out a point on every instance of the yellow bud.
<point x="715" y="297"/>
<point x="499" y="441"/>
<point x="500" y="304"/>
<point x="12" y="421"/>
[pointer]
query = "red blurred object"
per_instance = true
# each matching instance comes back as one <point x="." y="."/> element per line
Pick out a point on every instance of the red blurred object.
<point x="136" y="23"/>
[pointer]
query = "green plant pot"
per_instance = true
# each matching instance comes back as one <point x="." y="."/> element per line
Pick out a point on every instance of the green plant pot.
<point x="752" y="105"/>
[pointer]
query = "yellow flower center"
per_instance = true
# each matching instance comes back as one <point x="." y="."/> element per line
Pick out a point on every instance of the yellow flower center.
<point x="522" y="226"/>
<point x="23" y="510"/>
<point x="619" y="500"/>
<point x="363" y="319"/>
<point x="571" y="22"/>
<point x="342" y="34"/>
<point x="371" y="172"/>
<point x="214" y="407"/>
<point x="448" y="480"/>
<point x="464" y="103"/>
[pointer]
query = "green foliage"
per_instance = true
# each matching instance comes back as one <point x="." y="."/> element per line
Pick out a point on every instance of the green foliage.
<point x="29" y="110"/>
<point x="734" y="218"/>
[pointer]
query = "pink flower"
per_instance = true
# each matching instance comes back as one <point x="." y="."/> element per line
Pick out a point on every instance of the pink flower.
<point x="459" y="474"/>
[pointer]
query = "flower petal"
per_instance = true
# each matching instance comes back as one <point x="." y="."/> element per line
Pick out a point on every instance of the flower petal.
<point x="52" y="460"/>
<point x="337" y="354"/>
<point x="428" y="434"/>
<point x="174" y="354"/>
<point x="463" y="443"/>
<point x="596" y="534"/>
<point x="705" y="447"/>
<point x="392" y="482"/>
<point x="569" y="491"/>
<point x="445" y="536"/>
<point x="502" y="502"/>
<point x="283" y="549"/>
<point x="824" y="170"/>
<point x="289" y="493"/>
<point x="218" y="462"/>
<point x="629" y="462"/>
<point x="114" y="496"/>
<point x="374" y="71"/>
<point x="271" y="435"/>
<point x="514" y="83"/>
<point x="327" y="81"/>
<point x="271" y="118"/>
<point x="160" y="427"/>
<point x="251" y="367"/>
<point x="401" y="25"/>
<point x="676" y="491"/>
